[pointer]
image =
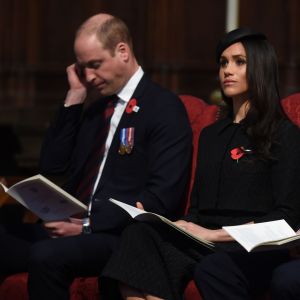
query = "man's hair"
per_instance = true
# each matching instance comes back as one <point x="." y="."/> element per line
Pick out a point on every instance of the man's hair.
<point x="110" y="33"/>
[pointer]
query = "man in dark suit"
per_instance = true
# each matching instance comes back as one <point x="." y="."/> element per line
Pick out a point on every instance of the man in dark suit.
<point x="144" y="158"/>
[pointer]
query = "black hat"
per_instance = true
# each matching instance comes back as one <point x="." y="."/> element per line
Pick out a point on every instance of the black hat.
<point x="235" y="36"/>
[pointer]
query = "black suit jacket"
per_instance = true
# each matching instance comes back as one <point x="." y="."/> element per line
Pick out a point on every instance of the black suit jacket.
<point x="155" y="173"/>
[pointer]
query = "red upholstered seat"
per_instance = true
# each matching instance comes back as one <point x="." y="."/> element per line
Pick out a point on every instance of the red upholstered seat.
<point x="200" y="115"/>
<point x="14" y="287"/>
<point x="291" y="106"/>
<point x="85" y="289"/>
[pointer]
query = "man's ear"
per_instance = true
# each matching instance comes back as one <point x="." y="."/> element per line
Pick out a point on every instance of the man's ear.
<point x="122" y="50"/>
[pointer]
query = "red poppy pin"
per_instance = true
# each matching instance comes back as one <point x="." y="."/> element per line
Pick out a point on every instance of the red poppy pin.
<point x="132" y="106"/>
<point x="239" y="152"/>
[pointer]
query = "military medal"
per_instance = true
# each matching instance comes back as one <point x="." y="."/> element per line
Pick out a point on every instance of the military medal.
<point x="122" y="150"/>
<point x="126" y="140"/>
<point x="129" y="140"/>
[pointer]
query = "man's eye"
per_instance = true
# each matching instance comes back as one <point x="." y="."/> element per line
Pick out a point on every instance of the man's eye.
<point x="94" y="66"/>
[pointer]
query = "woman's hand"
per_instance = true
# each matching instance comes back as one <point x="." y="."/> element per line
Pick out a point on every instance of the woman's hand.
<point x="140" y="205"/>
<point x="213" y="235"/>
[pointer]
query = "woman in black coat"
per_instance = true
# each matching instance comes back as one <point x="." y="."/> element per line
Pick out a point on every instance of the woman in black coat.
<point x="248" y="171"/>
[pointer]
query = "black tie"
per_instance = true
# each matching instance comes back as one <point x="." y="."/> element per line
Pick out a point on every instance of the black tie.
<point x="91" y="168"/>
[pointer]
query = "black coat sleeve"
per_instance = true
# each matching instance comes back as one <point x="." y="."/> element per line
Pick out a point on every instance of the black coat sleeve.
<point x="60" y="140"/>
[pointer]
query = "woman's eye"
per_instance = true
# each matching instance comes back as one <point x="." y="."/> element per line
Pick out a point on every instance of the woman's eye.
<point x="240" y="62"/>
<point x="223" y="62"/>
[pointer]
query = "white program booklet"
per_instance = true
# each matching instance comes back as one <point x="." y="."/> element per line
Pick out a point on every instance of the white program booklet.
<point x="262" y="235"/>
<point x="144" y="216"/>
<point x="45" y="199"/>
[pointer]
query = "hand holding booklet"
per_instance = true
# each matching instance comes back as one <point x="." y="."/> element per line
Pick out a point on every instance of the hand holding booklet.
<point x="45" y="199"/>
<point x="144" y="216"/>
<point x="257" y="236"/>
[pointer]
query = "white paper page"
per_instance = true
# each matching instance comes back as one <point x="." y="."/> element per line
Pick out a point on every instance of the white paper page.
<point x="46" y="202"/>
<point x="133" y="211"/>
<point x="147" y="216"/>
<point x="4" y="187"/>
<point x="250" y="235"/>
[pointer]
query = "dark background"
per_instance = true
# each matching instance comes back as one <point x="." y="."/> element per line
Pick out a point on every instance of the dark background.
<point x="174" y="41"/>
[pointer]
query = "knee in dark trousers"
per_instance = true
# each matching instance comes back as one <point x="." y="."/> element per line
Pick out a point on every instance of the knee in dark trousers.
<point x="285" y="283"/>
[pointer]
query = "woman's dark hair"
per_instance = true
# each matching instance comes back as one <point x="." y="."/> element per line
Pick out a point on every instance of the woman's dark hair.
<point x="265" y="111"/>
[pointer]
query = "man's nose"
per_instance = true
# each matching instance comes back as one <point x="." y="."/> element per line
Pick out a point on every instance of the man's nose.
<point x="89" y="75"/>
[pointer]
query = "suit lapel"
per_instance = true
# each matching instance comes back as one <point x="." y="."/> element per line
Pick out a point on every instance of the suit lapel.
<point x="128" y="119"/>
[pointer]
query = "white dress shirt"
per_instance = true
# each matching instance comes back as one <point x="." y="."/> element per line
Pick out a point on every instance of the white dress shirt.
<point x="124" y="96"/>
